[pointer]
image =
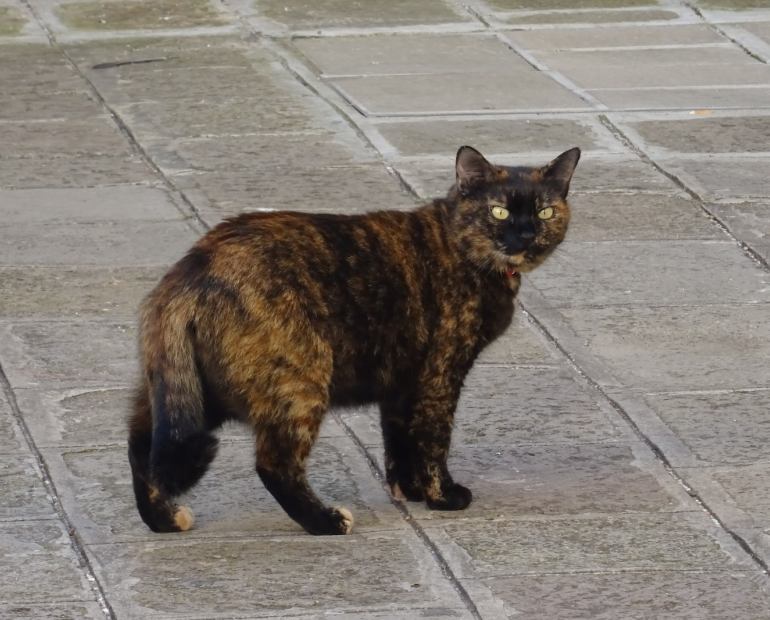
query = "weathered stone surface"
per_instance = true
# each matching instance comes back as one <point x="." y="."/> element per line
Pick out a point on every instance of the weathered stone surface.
<point x="82" y="171"/>
<point x="614" y="37"/>
<point x="490" y="136"/>
<point x="710" y="134"/>
<point x="760" y="29"/>
<point x="590" y="17"/>
<point x="544" y="5"/>
<point x="68" y="354"/>
<point x="96" y="243"/>
<point x="113" y="292"/>
<point x="721" y="428"/>
<point x="11" y="21"/>
<point x="230" y="500"/>
<point x="710" y="347"/>
<point x="11" y="439"/>
<point x="480" y="548"/>
<point x="304" y="15"/>
<point x="59" y="105"/>
<point x="377" y="572"/>
<point x="37" y="564"/>
<point x="96" y="137"/>
<point x="726" y="178"/>
<point x="749" y="222"/>
<point x="733" y="4"/>
<point x="697" y="272"/>
<point x="332" y="189"/>
<point x="747" y="486"/>
<point x="140" y="15"/>
<point x="22" y="492"/>
<point x="520" y="344"/>
<point x="616" y="217"/>
<point x="108" y="204"/>
<point x="54" y="611"/>
<point x="683" y="98"/>
<point x="631" y="595"/>
<point x="524" y="90"/>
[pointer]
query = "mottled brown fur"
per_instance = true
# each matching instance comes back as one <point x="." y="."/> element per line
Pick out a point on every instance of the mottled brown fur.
<point x="272" y="318"/>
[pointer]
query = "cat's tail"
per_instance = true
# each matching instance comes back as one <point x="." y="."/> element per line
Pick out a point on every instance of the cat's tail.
<point x="170" y="447"/>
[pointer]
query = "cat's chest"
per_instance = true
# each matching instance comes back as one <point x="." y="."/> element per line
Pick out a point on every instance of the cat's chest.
<point x="497" y="304"/>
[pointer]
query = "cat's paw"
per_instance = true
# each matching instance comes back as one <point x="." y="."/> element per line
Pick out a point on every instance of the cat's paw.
<point x="184" y="518"/>
<point x="405" y="493"/>
<point x="343" y="520"/>
<point x="456" y="498"/>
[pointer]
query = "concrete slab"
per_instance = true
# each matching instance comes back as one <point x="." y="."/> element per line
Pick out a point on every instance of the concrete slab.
<point x="333" y="189"/>
<point x="38" y="565"/>
<point x="720" y="428"/>
<point x="712" y="134"/>
<point x="555" y="5"/>
<point x="92" y="354"/>
<point x="697" y="272"/>
<point x="616" y="217"/>
<point x="108" y="204"/>
<point x="445" y="93"/>
<point x="141" y="15"/>
<point x="747" y="488"/>
<point x="11" y="21"/>
<point x="677" y="541"/>
<point x="629" y="36"/>
<point x="608" y="596"/>
<point x="82" y="171"/>
<point x="108" y="292"/>
<point x="679" y="348"/>
<point x="722" y="178"/>
<point x="304" y="15"/>
<point x="520" y="344"/>
<point x="382" y="572"/>
<point x="230" y="500"/>
<point x="759" y="29"/>
<point x="95" y="137"/>
<point x="588" y="16"/>
<point x="11" y="439"/>
<point x="491" y="136"/>
<point x="69" y="105"/>
<point x="749" y="222"/>
<point x="684" y="98"/>
<point x="23" y="493"/>
<point x="51" y="611"/>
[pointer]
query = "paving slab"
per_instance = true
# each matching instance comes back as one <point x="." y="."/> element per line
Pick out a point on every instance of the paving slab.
<point x="440" y="137"/>
<point x="697" y="272"/>
<point x="555" y="5"/>
<point x="588" y="16"/>
<point x="95" y="137"/>
<point x="304" y="15"/>
<point x="746" y="487"/>
<point x="722" y="178"/>
<point x="11" y="21"/>
<point x="11" y="439"/>
<point x="54" y="611"/>
<point x="714" y="134"/>
<point x="22" y="492"/>
<point x="69" y="354"/>
<point x="749" y="222"/>
<point x="106" y="292"/>
<point x="760" y="29"/>
<point x="631" y="595"/>
<point x="377" y="572"/>
<point x="691" y="99"/>
<point x="76" y="171"/>
<point x="38" y="565"/>
<point x="626" y="217"/>
<point x="60" y="105"/>
<point x="679" y="348"/>
<point x="720" y="428"/>
<point x="674" y="541"/>
<point x="520" y="344"/>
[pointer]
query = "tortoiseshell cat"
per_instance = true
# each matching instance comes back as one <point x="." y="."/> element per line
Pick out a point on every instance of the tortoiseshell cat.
<point x="271" y="318"/>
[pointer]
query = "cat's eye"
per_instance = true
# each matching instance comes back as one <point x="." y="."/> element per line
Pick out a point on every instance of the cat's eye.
<point x="545" y="214"/>
<point x="500" y="213"/>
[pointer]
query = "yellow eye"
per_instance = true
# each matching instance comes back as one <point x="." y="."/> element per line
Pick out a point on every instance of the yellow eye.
<point x="546" y="213"/>
<point x="500" y="213"/>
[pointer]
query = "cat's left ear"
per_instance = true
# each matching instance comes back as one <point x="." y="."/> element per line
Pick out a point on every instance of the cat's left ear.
<point x="559" y="171"/>
<point x="472" y="170"/>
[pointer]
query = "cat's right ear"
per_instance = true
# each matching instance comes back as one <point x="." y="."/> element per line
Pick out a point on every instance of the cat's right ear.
<point x="471" y="170"/>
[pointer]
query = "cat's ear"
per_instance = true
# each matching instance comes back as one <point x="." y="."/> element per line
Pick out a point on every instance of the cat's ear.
<point x="471" y="170"/>
<point x="559" y="171"/>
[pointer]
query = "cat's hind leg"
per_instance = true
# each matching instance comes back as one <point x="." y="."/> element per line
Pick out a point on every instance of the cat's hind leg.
<point x="283" y="446"/>
<point x="158" y="511"/>
<point x="399" y="470"/>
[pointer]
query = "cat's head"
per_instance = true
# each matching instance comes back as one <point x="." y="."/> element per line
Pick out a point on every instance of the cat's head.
<point x="510" y="218"/>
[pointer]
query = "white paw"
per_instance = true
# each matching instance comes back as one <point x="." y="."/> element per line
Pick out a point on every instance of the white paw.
<point x="347" y="521"/>
<point x="184" y="518"/>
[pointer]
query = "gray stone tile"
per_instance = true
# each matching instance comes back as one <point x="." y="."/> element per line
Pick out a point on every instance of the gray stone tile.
<point x="73" y="171"/>
<point x="57" y="105"/>
<point x="523" y="90"/>
<point x="632" y="596"/>
<point x="68" y="354"/>
<point x="479" y="548"/>
<point x="715" y="178"/>
<point x="683" y="98"/>
<point x="112" y="292"/>
<point x="109" y="204"/>
<point x="551" y="5"/>
<point x="588" y="16"/>
<point x="303" y="574"/>
<point x="303" y="15"/>
<point x="339" y="189"/>
<point x="106" y="243"/>
<point x="616" y="217"/>
<point x="37" y="564"/>
<point x="22" y="492"/>
<point x="51" y="611"/>
<point x="678" y="348"/>
<point x="640" y="36"/>
<point x="734" y="5"/>
<point x="520" y="344"/>
<point x="46" y="75"/>
<point x="721" y="428"/>
<point x="12" y="21"/>
<point x="711" y="134"/>
<point x="747" y="487"/>
<point x="230" y="500"/>
<point x="759" y="29"/>
<point x="749" y="222"/>
<point x="11" y="439"/>
<point x="489" y="136"/>
<point x="551" y="480"/>
<point x="697" y="272"/>
<point x="415" y="54"/>
<point x="95" y="137"/>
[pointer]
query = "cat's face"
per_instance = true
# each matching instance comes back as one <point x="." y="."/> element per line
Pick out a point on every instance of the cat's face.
<point x="511" y="219"/>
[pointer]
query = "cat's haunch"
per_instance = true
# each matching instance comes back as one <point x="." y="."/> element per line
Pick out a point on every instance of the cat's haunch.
<point x="271" y="318"/>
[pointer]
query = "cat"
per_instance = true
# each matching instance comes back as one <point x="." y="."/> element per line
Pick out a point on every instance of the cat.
<point x="271" y="318"/>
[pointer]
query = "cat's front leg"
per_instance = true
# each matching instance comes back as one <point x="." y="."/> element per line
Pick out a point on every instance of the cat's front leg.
<point x="395" y="418"/>
<point x="431" y="433"/>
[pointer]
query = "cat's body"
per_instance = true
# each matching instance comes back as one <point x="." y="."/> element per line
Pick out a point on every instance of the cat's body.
<point x="272" y="318"/>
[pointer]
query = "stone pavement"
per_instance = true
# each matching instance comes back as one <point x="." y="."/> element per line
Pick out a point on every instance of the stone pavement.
<point x="616" y="440"/>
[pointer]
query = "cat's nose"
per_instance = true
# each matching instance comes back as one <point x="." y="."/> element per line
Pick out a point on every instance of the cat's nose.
<point x="527" y="233"/>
